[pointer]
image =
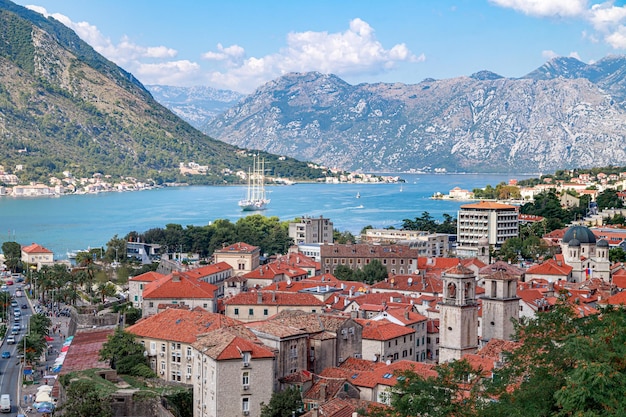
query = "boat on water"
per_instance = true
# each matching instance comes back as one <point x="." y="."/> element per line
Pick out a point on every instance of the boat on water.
<point x="358" y="195"/>
<point x="256" y="197"/>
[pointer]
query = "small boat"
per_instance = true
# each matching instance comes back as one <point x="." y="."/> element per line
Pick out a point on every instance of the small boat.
<point x="256" y="198"/>
<point x="358" y="195"/>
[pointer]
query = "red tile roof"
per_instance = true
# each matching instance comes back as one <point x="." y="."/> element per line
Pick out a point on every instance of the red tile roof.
<point x="273" y="298"/>
<point x="147" y="277"/>
<point x="277" y="269"/>
<point x="411" y="283"/>
<point x="551" y="268"/>
<point x="177" y="285"/>
<point x="225" y="344"/>
<point x="180" y="325"/>
<point x="379" y="373"/>
<point x="382" y="330"/>
<point x="488" y="205"/>
<point x="239" y="247"/>
<point x="35" y="248"/>
<point x="205" y="271"/>
<point x="406" y="316"/>
<point x="84" y="351"/>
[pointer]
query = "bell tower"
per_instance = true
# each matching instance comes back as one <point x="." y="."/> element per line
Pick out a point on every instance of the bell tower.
<point x="500" y="306"/>
<point x="459" y="314"/>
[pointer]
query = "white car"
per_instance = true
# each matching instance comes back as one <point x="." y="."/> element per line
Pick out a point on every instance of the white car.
<point x="11" y="340"/>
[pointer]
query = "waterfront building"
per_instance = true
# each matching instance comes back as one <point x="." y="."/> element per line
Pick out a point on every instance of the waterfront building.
<point x="494" y="221"/>
<point x="311" y="230"/>
<point x="37" y="255"/>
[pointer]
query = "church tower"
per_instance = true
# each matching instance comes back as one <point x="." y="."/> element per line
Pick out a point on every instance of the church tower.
<point x="500" y="306"/>
<point x="458" y="330"/>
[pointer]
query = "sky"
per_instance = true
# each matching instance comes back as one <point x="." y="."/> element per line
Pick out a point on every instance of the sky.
<point x="241" y="44"/>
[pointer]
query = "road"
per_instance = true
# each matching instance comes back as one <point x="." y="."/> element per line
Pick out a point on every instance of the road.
<point x="10" y="369"/>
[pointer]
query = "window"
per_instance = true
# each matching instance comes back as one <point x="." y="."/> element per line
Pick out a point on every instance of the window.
<point x="251" y="312"/>
<point x="246" y="358"/>
<point x="150" y="304"/>
<point x="245" y="378"/>
<point x="265" y="312"/>
<point x="162" y="347"/>
<point x="236" y="311"/>
<point x="188" y="351"/>
<point x="245" y="404"/>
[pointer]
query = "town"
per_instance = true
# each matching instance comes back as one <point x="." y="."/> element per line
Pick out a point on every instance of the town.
<point x="246" y="327"/>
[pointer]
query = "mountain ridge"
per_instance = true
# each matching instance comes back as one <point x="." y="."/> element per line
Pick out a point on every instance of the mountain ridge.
<point x="565" y="114"/>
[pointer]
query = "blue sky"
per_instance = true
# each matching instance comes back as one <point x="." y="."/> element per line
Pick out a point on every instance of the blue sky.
<point x="239" y="45"/>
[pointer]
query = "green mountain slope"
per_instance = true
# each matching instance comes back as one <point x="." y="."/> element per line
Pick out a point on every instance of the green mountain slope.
<point x="65" y="107"/>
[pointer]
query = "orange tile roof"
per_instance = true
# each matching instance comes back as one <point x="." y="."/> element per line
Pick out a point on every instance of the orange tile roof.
<point x="411" y="283"/>
<point x="147" y="277"/>
<point x="224" y="344"/>
<point x="617" y="299"/>
<point x="277" y="269"/>
<point x="382" y="330"/>
<point x="382" y="374"/>
<point x="273" y="298"/>
<point x="35" y="248"/>
<point x="550" y="267"/>
<point x="177" y="285"/>
<point x="207" y="270"/>
<point x="180" y="325"/>
<point x="488" y="205"/>
<point x="238" y="247"/>
<point x="406" y="316"/>
<point x="620" y="280"/>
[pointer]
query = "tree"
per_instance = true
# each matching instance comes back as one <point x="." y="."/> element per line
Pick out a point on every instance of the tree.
<point x="609" y="199"/>
<point x="442" y="395"/>
<point x="344" y="273"/>
<point x="12" y="254"/>
<point x="372" y="272"/>
<point x="617" y="254"/>
<point x="116" y="250"/>
<point x="121" y="348"/>
<point x="283" y="404"/>
<point x="343" y="238"/>
<point x="83" y="399"/>
<point x="565" y="365"/>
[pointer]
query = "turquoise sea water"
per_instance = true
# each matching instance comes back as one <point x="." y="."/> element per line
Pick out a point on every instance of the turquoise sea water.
<point x="80" y="221"/>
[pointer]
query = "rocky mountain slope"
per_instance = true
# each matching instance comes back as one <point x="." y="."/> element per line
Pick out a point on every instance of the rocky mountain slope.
<point x="564" y="114"/>
<point x="65" y="107"/>
<point x="196" y="105"/>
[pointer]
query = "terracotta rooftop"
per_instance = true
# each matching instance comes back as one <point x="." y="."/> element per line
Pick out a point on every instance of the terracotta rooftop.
<point x="208" y="270"/>
<point x="550" y="267"/>
<point x="380" y="373"/>
<point x="363" y="250"/>
<point x="382" y="330"/>
<point x="225" y="344"/>
<point x="147" y="277"/>
<point x="238" y="247"/>
<point x="488" y="205"/>
<point x="406" y="316"/>
<point x="178" y="285"/>
<point x="180" y="325"/>
<point x="273" y="298"/>
<point x="35" y="248"/>
<point x="428" y="283"/>
<point x="501" y="266"/>
<point x="274" y="329"/>
<point x="84" y="350"/>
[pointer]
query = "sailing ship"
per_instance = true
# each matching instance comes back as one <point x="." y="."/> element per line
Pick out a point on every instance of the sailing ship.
<point x="256" y="198"/>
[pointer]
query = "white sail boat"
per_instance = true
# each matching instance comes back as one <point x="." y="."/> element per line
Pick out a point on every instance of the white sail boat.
<point x="256" y="198"/>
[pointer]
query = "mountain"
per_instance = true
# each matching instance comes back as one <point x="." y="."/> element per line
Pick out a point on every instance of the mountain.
<point x="565" y="114"/>
<point x="196" y="105"/>
<point x="63" y="107"/>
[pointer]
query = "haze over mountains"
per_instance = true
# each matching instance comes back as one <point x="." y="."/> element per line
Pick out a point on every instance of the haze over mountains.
<point x="564" y="114"/>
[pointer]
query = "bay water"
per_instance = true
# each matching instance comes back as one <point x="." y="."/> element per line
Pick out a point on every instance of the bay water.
<point x="76" y="222"/>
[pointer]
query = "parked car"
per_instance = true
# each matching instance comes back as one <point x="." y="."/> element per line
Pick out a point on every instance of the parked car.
<point x="24" y="306"/>
<point x="6" y="354"/>
<point x="11" y="340"/>
<point x="9" y="282"/>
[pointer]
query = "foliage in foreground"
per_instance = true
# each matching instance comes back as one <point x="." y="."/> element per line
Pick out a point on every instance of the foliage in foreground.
<point x="283" y="404"/>
<point x="125" y="355"/>
<point x="566" y="365"/>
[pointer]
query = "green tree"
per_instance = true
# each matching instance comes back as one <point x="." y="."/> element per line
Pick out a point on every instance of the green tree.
<point x="566" y="365"/>
<point x="344" y="273"/>
<point x="12" y="254"/>
<point x="123" y="352"/>
<point x="372" y="273"/>
<point x="285" y="403"/>
<point x="617" y="254"/>
<point x="434" y="396"/>
<point x="116" y="250"/>
<point x="343" y="238"/>
<point x="609" y="199"/>
<point x="83" y="399"/>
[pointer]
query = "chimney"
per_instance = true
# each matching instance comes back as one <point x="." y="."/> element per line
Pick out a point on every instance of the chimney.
<point x="336" y="299"/>
<point x="406" y="314"/>
<point x="273" y="296"/>
<point x="175" y="277"/>
<point x="259" y="297"/>
<point x="327" y="287"/>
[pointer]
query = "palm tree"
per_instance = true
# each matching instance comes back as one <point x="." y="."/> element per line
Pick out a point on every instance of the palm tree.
<point x="32" y="347"/>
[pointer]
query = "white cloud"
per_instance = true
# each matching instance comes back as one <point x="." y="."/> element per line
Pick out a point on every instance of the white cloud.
<point x="545" y="8"/>
<point x="605" y="16"/>
<point x="167" y="73"/>
<point x="355" y="51"/>
<point x="617" y="39"/>
<point x="549" y="54"/>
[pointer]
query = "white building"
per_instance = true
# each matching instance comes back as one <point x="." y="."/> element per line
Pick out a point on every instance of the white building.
<point x="494" y="221"/>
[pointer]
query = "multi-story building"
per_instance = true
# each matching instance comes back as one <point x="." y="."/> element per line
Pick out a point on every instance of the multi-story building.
<point x="37" y="255"/>
<point x="494" y="222"/>
<point x="137" y="284"/>
<point x="214" y="274"/>
<point x="177" y="288"/>
<point x="232" y="375"/>
<point x="398" y="259"/>
<point x="311" y="230"/>
<point x="428" y="244"/>
<point x="415" y="321"/>
<point x="387" y="341"/>
<point x="500" y="309"/>
<point x="168" y="336"/>
<point x="261" y="305"/>
<point x="241" y="256"/>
